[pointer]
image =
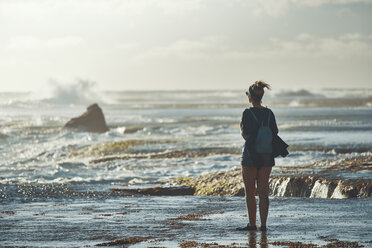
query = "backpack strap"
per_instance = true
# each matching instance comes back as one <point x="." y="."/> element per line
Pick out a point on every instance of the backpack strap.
<point x="268" y="118"/>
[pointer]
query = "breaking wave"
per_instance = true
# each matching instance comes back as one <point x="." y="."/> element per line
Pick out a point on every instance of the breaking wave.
<point x="78" y="92"/>
<point x="299" y="93"/>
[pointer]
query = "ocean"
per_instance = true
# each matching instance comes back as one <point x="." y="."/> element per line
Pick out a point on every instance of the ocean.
<point x="154" y="137"/>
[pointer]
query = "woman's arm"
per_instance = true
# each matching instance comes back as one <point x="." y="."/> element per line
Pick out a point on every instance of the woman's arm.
<point x="244" y="127"/>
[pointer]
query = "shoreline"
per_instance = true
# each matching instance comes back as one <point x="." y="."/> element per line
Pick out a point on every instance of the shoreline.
<point x="183" y="221"/>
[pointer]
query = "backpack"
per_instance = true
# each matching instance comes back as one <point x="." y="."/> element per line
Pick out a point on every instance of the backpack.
<point x="264" y="137"/>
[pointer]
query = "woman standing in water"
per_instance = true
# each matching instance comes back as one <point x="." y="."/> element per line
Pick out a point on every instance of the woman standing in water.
<point x="257" y="163"/>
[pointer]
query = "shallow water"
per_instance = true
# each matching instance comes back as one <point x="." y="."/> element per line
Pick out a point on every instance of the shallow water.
<point x="86" y="221"/>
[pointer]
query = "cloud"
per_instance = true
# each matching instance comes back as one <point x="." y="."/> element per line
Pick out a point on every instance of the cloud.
<point x="43" y="10"/>
<point x="306" y="46"/>
<point x="346" y="13"/>
<point x="131" y="46"/>
<point x="224" y="61"/>
<point x="317" y="3"/>
<point x="178" y="6"/>
<point x="278" y="8"/>
<point x="273" y="8"/>
<point x="33" y="42"/>
<point x="203" y="49"/>
<point x="300" y="46"/>
<point x="39" y="10"/>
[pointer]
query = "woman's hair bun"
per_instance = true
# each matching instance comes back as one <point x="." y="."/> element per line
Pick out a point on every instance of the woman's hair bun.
<point x="261" y="85"/>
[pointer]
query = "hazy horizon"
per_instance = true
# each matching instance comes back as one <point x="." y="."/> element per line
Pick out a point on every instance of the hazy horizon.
<point x="216" y="90"/>
<point x="186" y="44"/>
<point x="274" y="88"/>
<point x="55" y="88"/>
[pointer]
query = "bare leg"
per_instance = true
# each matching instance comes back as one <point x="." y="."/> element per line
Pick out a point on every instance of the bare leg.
<point x="249" y="179"/>
<point x="263" y="192"/>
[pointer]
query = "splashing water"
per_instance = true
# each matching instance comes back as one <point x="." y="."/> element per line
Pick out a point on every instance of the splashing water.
<point x="78" y="92"/>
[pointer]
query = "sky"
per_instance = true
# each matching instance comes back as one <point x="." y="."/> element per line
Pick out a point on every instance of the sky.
<point x="185" y="44"/>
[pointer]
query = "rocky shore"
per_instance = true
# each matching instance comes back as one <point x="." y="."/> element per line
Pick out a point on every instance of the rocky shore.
<point x="229" y="183"/>
<point x="320" y="184"/>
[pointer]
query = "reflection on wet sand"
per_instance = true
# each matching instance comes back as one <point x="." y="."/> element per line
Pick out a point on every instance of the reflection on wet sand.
<point x="252" y="240"/>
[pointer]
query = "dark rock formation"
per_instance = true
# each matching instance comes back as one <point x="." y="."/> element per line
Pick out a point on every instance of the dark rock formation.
<point x="158" y="191"/>
<point x="92" y="121"/>
<point x="124" y="242"/>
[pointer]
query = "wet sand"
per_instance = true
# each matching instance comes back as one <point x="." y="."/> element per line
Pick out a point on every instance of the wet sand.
<point x="116" y="215"/>
<point x="180" y="221"/>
